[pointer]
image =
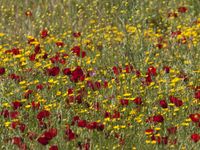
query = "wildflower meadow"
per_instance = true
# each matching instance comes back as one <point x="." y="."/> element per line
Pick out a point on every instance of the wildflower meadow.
<point x="99" y="74"/>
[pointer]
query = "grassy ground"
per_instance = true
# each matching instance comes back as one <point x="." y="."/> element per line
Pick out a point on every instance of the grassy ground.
<point x="99" y="74"/>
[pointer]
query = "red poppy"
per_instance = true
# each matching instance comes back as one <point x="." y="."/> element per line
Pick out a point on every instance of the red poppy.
<point x="15" y="77"/>
<point x="53" y="71"/>
<point x="116" y="114"/>
<point x="43" y="114"/>
<point x="2" y="70"/>
<point x="195" y="117"/>
<point x="43" y="140"/>
<point x="91" y="125"/>
<point x="195" y="137"/>
<point x="14" y="124"/>
<point x="197" y="94"/>
<point x="55" y="59"/>
<point x="44" y="33"/>
<point x="16" y="105"/>
<point x="32" y="57"/>
<point x="107" y="115"/>
<point x="148" y="79"/>
<point x="67" y="71"/>
<point x="116" y="70"/>
<point x="81" y="123"/>
<point x="76" y="34"/>
<point x="53" y="147"/>
<point x="77" y="75"/>
<point x="22" y="127"/>
<point x="70" y="134"/>
<point x="182" y="9"/>
<point x="152" y="71"/>
<point x="59" y="44"/>
<point x="158" y="118"/>
<point x="15" y="51"/>
<point x="51" y="133"/>
<point x="14" y="114"/>
<point x="163" y="103"/>
<point x="138" y="100"/>
<point x="129" y="68"/>
<point x="5" y="113"/>
<point x="77" y="50"/>
<point x="124" y="102"/>
<point x="105" y="84"/>
<point x="176" y="101"/>
<point x="17" y="141"/>
<point x="39" y="87"/>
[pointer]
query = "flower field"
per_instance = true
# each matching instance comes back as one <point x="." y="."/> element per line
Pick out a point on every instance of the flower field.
<point x="100" y="74"/>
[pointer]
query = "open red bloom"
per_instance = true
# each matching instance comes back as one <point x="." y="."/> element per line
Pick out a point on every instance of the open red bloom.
<point x="138" y="100"/>
<point x="158" y="118"/>
<point x="77" y="75"/>
<point x="2" y="70"/>
<point x="53" y="71"/>
<point x="116" y="70"/>
<point x="176" y="101"/>
<point x="92" y="125"/>
<point x="32" y="57"/>
<point x="43" y="140"/>
<point x="124" y="102"/>
<point x="59" y="44"/>
<point x="15" y="77"/>
<point x="195" y="117"/>
<point x="81" y="123"/>
<point x="39" y="87"/>
<point x="197" y="94"/>
<point x="43" y="114"/>
<point x="51" y="133"/>
<point x="14" y="114"/>
<point x="195" y="137"/>
<point x="53" y="147"/>
<point x="77" y="50"/>
<point x="152" y="71"/>
<point x="44" y="33"/>
<point x="17" y="141"/>
<point x="76" y="34"/>
<point x="67" y="71"/>
<point x="163" y="103"/>
<point x="16" y="105"/>
<point x="182" y="9"/>
<point x="70" y="134"/>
